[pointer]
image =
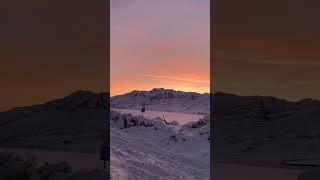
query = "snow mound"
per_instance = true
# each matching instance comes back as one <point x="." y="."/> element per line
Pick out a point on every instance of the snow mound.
<point x="200" y="123"/>
<point x="118" y="119"/>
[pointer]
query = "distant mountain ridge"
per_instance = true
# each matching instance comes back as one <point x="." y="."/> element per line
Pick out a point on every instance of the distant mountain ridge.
<point x="74" y="100"/>
<point x="225" y="102"/>
<point x="192" y="102"/>
<point x="163" y="100"/>
<point x="166" y="99"/>
<point x="265" y="130"/>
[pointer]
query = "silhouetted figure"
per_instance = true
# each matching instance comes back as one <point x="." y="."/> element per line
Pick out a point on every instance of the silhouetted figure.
<point x="125" y="123"/>
<point x="143" y="107"/>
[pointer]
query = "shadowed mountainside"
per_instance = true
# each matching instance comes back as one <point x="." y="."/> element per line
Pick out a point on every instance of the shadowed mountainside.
<point x="73" y="122"/>
<point x="266" y="130"/>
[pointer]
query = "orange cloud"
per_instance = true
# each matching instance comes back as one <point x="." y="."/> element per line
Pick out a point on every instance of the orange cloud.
<point x="175" y="78"/>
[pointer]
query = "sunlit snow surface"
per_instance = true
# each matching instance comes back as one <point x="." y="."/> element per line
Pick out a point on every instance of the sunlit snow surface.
<point x="181" y="118"/>
<point x="161" y="151"/>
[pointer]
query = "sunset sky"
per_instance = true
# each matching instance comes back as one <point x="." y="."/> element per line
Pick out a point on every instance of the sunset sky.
<point x="50" y="49"/>
<point x="267" y="47"/>
<point x="160" y="43"/>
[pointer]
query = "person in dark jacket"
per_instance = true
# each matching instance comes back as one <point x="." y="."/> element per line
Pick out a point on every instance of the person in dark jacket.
<point x="143" y="109"/>
<point x="125" y="122"/>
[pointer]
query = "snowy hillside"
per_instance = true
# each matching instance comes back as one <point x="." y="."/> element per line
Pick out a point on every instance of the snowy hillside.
<point x="164" y="100"/>
<point x="73" y="122"/>
<point x="171" y="140"/>
<point x="266" y="130"/>
<point x="181" y="118"/>
<point x="152" y="149"/>
<point x="247" y="129"/>
<point x="149" y="149"/>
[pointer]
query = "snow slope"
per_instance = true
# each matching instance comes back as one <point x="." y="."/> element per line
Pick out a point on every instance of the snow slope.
<point x="266" y="130"/>
<point x="158" y="151"/>
<point x="74" y="122"/>
<point x="181" y="118"/>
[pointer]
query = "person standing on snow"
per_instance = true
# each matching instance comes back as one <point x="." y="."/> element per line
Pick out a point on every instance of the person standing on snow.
<point x="143" y="107"/>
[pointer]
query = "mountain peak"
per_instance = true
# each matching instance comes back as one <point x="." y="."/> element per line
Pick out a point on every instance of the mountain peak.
<point x="157" y="89"/>
<point x="82" y="93"/>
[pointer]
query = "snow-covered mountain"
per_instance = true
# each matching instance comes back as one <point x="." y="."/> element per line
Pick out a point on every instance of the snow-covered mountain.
<point x="73" y="122"/>
<point x="246" y="128"/>
<point x="156" y="148"/>
<point x="148" y="149"/>
<point x="161" y="99"/>
<point x="266" y="130"/>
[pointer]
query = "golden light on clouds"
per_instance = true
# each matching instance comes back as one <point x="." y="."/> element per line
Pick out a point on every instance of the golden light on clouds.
<point x="180" y="82"/>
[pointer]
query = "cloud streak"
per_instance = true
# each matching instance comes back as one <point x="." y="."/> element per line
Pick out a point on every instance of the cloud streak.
<point x="161" y="76"/>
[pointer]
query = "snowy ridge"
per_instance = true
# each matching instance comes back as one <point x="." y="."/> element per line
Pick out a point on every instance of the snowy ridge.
<point x="161" y="99"/>
<point x="265" y="130"/>
<point x="154" y="149"/>
<point x="73" y="122"/>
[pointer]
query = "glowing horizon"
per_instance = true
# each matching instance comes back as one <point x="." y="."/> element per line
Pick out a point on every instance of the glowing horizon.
<point x="175" y="89"/>
<point x="152" y="49"/>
